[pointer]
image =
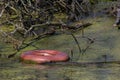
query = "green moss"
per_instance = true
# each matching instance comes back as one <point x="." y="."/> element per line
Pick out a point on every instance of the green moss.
<point x="28" y="61"/>
<point x="60" y="16"/>
<point x="8" y="28"/>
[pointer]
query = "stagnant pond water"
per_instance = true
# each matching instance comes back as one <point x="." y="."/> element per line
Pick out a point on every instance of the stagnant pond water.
<point x="106" y="43"/>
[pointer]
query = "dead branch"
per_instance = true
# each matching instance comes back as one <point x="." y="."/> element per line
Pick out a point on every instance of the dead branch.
<point x="24" y="45"/>
<point x="77" y="45"/>
<point x="91" y="41"/>
<point x="60" y="24"/>
<point x="24" y="6"/>
<point x="2" y="11"/>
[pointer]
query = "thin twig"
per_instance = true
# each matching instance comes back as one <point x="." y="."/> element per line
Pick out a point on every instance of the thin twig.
<point x="24" y="6"/>
<point x="77" y="45"/>
<point x="4" y="9"/>
<point x="91" y="41"/>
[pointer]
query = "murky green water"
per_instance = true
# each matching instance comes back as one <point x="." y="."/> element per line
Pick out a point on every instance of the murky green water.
<point x="106" y="43"/>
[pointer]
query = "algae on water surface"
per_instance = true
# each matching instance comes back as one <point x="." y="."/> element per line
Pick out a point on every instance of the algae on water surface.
<point x="106" y="43"/>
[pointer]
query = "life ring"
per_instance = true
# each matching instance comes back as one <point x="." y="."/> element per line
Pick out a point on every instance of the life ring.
<point x="43" y="56"/>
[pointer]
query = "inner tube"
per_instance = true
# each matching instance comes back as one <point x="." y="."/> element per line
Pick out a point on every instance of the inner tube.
<point x="43" y="56"/>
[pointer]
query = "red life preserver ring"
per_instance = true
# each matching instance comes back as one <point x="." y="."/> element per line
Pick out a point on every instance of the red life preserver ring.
<point x="43" y="56"/>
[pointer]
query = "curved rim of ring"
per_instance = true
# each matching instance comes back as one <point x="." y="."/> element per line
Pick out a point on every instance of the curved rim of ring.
<point x="47" y="56"/>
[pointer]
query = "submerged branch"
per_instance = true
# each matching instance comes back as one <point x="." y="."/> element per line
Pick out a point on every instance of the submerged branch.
<point x="76" y="42"/>
<point x="91" y="41"/>
<point x="28" y="44"/>
<point x="77" y="45"/>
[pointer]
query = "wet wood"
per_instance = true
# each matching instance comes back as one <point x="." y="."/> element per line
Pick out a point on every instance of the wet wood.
<point x="62" y="25"/>
<point x="30" y="43"/>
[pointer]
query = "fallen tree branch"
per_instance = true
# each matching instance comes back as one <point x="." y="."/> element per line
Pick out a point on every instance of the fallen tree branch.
<point x="63" y="25"/>
<point x="28" y="44"/>
<point x="57" y="25"/>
